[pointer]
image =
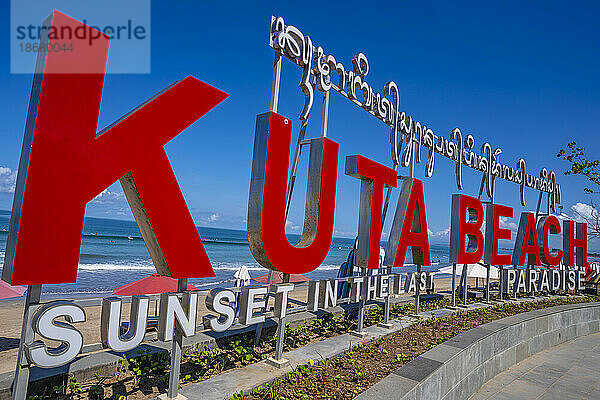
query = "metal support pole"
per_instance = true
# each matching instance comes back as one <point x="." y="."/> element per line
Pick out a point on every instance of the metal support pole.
<point x="325" y="114"/>
<point x="173" y="391"/>
<point x="361" y="307"/>
<point x="417" y="289"/>
<point x="500" y="281"/>
<point x="277" y="360"/>
<point x="21" y="381"/>
<point x="386" y="310"/>
<point x="464" y="273"/>
<point x="295" y="162"/>
<point x="487" y="283"/>
<point x="514" y="288"/>
<point x="386" y="304"/>
<point x="454" y="285"/>
<point x="359" y="332"/>
<point x="412" y="159"/>
<point x="280" y="338"/>
<point x="361" y="316"/>
<point x="275" y="84"/>
<point x="259" y="327"/>
<point x="532" y="294"/>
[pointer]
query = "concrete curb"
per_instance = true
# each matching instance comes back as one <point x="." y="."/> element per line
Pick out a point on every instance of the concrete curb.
<point x="460" y="366"/>
<point x="245" y="379"/>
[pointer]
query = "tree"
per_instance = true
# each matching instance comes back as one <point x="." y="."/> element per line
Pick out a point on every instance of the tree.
<point x="580" y="165"/>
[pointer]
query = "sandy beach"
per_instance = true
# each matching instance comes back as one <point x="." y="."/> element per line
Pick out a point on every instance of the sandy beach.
<point x="11" y="315"/>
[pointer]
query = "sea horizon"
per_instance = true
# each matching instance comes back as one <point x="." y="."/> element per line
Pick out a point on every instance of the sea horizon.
<point x="113" y="254"/>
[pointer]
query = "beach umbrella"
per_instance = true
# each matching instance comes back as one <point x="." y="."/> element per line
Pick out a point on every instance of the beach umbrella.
<point x="278" y="278"/>
<point x="7" y="291"/>
<point x="242" y="276"/>
<point x="473" y="271"/>
<point x="152" y="284"/>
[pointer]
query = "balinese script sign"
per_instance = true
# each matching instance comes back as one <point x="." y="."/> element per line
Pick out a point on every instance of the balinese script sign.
<point x="351" y="83"/>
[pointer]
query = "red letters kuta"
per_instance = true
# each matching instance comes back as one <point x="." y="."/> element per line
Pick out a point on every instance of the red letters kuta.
<point x="526" y="243"/>
<point x="409" y="227"/>
<point x="374" y="177"/>
<point x="493" y="234"/>
<point x="267" y="202"/>
<point x="466" y="221"/>
<point x="65" y="164"/>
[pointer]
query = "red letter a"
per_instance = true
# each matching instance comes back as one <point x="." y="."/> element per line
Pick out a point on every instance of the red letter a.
<point x="526" y="243"/>
<point x="65" y="164"/>
<point x="409" y="227"/>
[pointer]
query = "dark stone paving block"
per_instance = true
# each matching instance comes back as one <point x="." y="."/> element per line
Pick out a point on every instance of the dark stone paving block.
<point x="418" y="369"/>
<point x="466" y="339"/>
<point x="392" y="387"/>
<point x="441" y="353"/>
<point x="494" y="326"/>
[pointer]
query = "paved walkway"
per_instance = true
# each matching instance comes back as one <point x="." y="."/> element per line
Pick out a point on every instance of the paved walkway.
<point x="568" y="371"/>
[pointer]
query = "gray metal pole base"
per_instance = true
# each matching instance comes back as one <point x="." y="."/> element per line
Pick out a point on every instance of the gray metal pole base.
<point x="281" y="363"/>
<point x="178" y="397"/>
<point x="361" y="334"/>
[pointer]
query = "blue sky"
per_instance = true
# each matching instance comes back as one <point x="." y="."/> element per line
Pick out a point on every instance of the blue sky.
<point x="520" y="76"/>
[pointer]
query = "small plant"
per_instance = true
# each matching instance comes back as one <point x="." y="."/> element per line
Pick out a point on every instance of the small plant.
<point x="96" y="390"/>
<point x="73" y="386"/>
<point x="147" y="364"/>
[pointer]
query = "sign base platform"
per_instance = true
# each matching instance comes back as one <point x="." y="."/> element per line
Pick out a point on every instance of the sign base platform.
<point x="281" y="363"/>
<point x="179" y="396"/>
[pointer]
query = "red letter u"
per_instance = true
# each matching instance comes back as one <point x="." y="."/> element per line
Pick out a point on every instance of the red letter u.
<point x="266" y="206"/>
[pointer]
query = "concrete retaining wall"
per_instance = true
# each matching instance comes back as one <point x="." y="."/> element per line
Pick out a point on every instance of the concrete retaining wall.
<point x="460" y="366"/>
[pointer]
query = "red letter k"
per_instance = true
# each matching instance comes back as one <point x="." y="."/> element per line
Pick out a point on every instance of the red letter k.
<point x="65" y="164"/>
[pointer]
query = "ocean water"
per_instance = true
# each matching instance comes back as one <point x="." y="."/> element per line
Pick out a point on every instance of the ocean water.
<point x="113" y="253"/>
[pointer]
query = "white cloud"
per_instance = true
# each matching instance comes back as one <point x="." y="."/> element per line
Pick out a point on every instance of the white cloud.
<point x="109" y="197"/>
<point x="213" y="217"/>
<point x="8" y="180"/>
<point x="350" y="234"/>
<point x="439" y="234"/>
<point x="583" y="212"/>
<point x="290" y="226"/>
<point x="507" y="223"/>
